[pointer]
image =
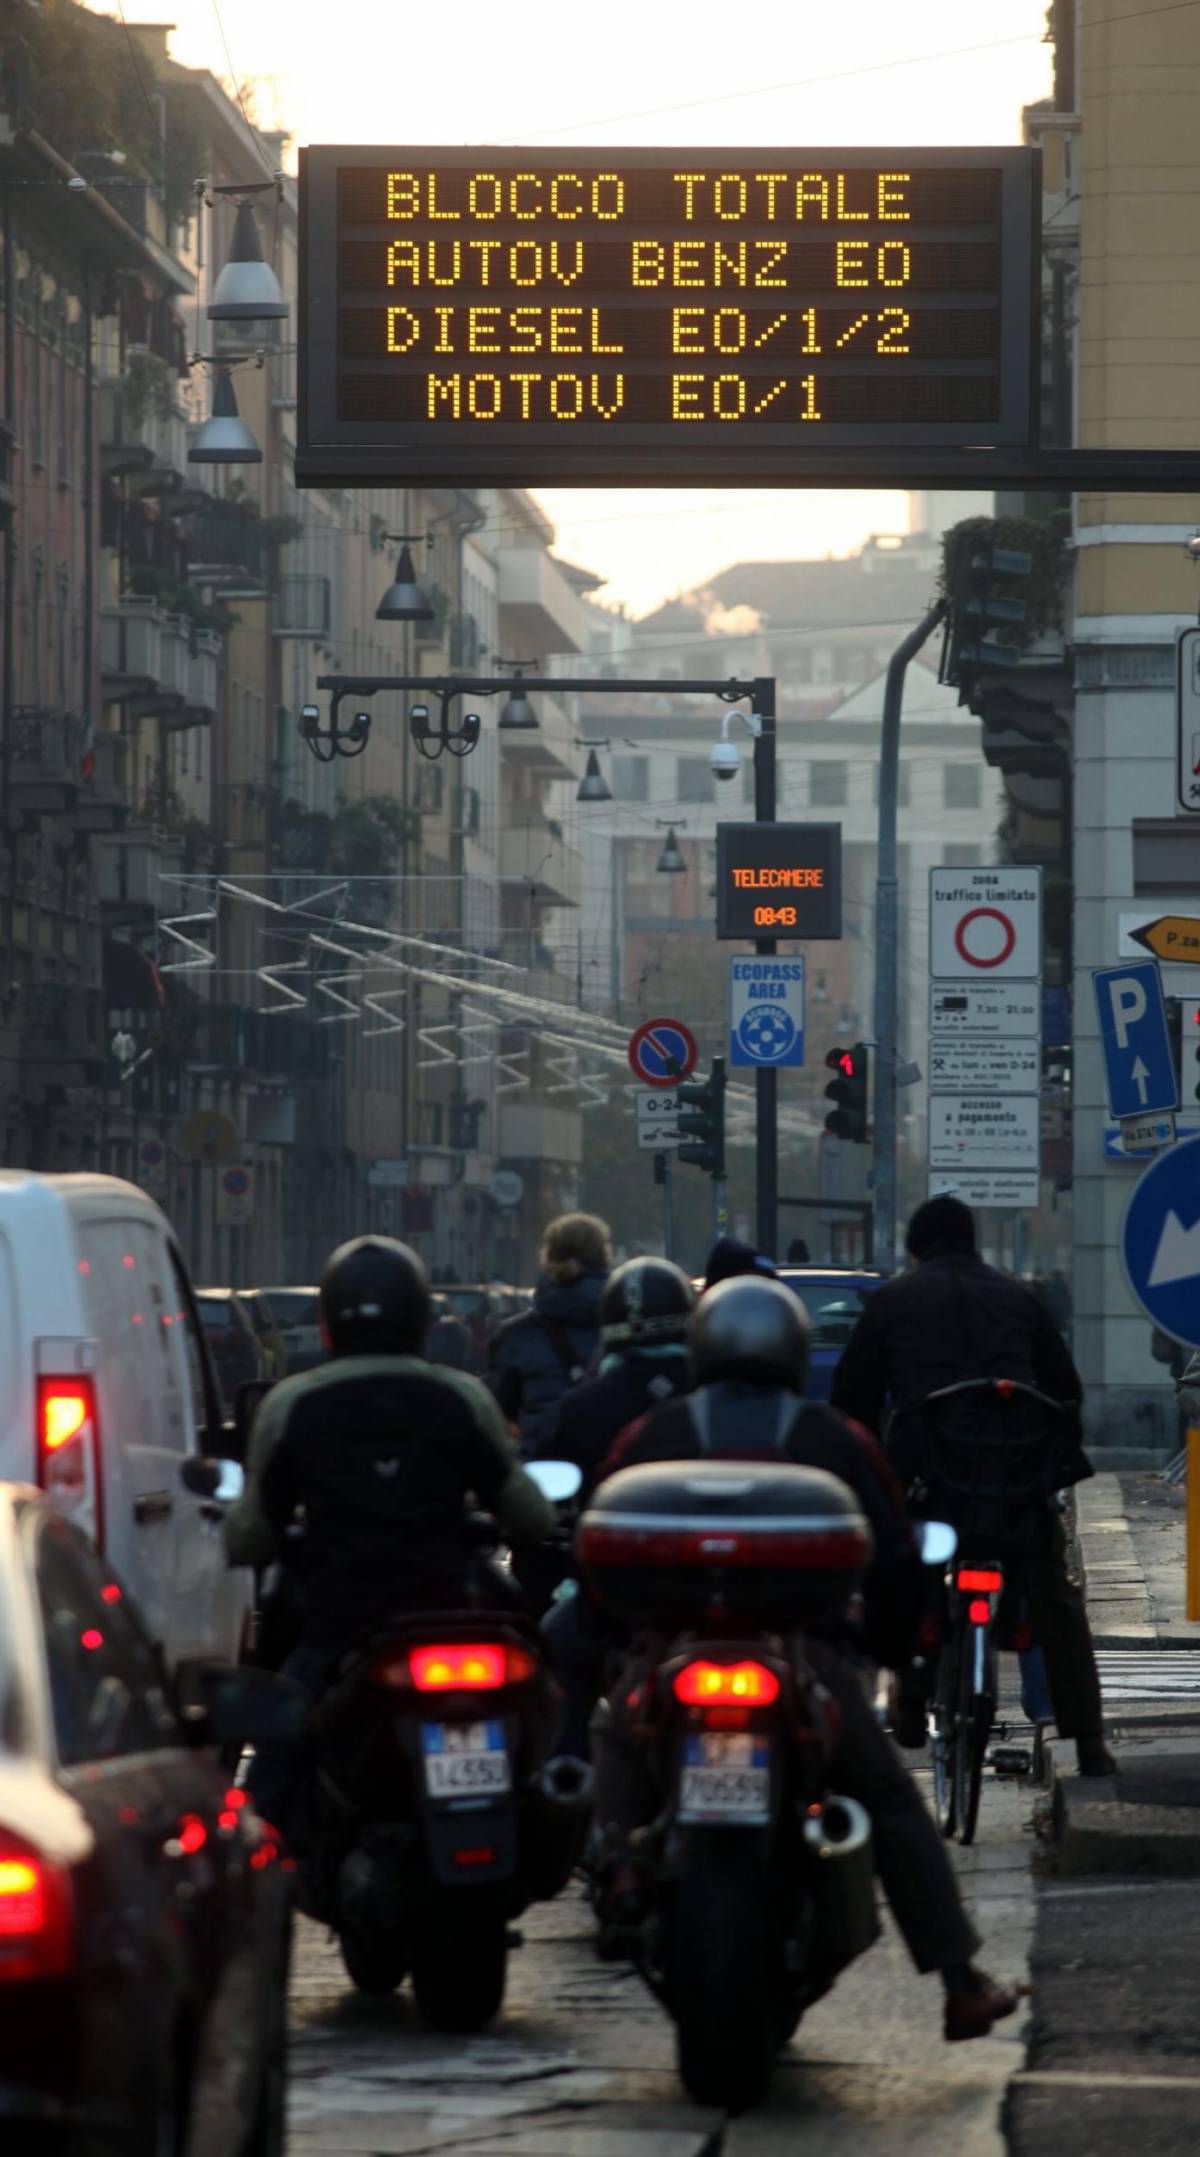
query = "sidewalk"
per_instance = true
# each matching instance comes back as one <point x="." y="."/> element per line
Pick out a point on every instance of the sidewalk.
<point x="1146" y="1817"/>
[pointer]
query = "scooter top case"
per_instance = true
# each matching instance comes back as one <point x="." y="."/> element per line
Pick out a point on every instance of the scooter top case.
<point x="688" y="1542"/>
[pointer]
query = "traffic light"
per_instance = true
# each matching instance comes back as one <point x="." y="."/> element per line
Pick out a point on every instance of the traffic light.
<point x="977" y="567"/>
<point x="1183" y="1025"/>
<point x="849" y="1093"/>
<point x="701" y="1121"/>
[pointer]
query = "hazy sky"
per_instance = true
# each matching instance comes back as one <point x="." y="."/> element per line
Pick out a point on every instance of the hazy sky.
<point x="638" y="71"/>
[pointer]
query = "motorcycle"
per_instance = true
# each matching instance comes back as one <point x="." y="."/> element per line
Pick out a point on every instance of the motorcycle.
<point x="755" y="1877"/>
<point x="432" y="1813"/>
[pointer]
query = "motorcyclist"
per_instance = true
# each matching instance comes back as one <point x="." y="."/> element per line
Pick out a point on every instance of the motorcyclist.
<point x="645" y="1312"/>
<point x="534" y="1358"/>
<point x="378" y="1453"/>
<point x="749" y="1356"/>
<point x="953" y="1318"/>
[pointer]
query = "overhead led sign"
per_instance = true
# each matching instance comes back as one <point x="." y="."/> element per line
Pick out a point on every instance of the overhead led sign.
<point x="619" y="316"/>
<point x="782" y="880"/>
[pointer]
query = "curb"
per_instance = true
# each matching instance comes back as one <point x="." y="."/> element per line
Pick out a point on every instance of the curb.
<point x="1094" y="1832"/>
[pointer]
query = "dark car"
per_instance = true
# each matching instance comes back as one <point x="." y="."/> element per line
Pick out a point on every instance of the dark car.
<point x="261" y="1313"/>
<point x="234" y="1345"/>
<point x="144" y="1906"/>
<point x="298" y="1317"/>
<point x="482" y="1307"/>
<point x="833" y="1298"/>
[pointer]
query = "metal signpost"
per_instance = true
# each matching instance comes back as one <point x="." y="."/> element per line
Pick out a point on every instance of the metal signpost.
<point x="1187" y="716"/>
<point x="1139" y="1063"/>
<point x="766" y="1013"/>
<point x="985" y="1052"/>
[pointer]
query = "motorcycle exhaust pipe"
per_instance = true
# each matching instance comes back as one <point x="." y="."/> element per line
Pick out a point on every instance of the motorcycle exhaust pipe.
<point x="568" y="1782"/>
<point x="837" y="1829"/>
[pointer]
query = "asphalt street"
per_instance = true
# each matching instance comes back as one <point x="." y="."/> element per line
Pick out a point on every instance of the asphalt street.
<point x="581" y="2064"/>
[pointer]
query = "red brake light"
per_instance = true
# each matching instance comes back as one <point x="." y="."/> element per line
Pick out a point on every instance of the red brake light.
<point x="35" y="1914"/>
<point x="460" y="1666"/>
<point x="981" y="1579"/>
<point x="979" y="1610"/>
<point x="1005" y="1387"/>
<point x="66" y="1448"/>
<point x="192" y="1834"/>
<point x="63" y="1410"/>
<point x="726" y="1685"/>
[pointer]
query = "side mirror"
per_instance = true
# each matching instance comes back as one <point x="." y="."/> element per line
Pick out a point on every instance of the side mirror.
<point x="224" y="1705"/>
<point x="219" y="1479"/>
<point x="938" y="1541"/>
<point x="557" y="1480"/>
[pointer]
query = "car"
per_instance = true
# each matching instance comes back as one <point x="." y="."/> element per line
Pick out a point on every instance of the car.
<point x="144" y="1906"/>
<point x="482" y="1306"/>
<point x="257" y="1305"/>
<point x="298" y="1315"/>
<point x="834" y="1297"/>
<point x="107" y="1388"/>
<point x="238" y="1356"/>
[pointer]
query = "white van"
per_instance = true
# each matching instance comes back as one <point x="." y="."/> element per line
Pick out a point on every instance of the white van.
<point x="106" y="1389"/>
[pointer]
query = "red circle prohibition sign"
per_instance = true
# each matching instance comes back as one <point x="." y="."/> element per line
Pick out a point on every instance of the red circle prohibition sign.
<point x="985" y="913"/>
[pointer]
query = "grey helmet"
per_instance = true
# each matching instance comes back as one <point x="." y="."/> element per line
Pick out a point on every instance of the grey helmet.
<point x="751" y="1328"/>
<point x="645" y="1303"/>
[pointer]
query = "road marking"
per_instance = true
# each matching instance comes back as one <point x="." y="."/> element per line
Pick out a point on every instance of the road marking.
<point x="1149" y="1674"/>
<point x="1072" y="2079"/>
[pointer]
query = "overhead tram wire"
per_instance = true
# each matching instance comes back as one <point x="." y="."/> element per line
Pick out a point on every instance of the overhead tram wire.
<point x="237" y="91"/>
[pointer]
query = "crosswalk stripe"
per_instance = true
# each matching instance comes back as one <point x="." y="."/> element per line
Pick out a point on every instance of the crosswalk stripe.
<point x="1137" y="1674"/>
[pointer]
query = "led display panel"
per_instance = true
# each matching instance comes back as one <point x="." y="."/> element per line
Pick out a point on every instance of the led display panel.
<point x="782" y="880"/>
<point x="626" y="316"/>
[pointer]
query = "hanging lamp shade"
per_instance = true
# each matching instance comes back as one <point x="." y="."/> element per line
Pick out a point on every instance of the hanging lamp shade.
<point x="404" y="600"/>
<point x="247" y="289"/>
<point x="518" y="714"/>
<point x="671" y="861"/>
<point x="224" y="438"/>
<point x="593" y="786"/>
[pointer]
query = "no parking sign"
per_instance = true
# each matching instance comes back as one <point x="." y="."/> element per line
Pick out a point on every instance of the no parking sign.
<point x="662" y="1051"/>
<point x="235" y="1197"/>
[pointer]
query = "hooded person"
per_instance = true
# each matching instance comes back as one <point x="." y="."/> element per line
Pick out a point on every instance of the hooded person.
<point x="730" y="1258"/>
<point x="535" y="1358"/>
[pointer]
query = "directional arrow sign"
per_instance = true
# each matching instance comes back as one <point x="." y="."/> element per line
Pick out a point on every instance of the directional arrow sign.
<point x="1173" y="936"/>
<point x="1138" y="1062"/>
<point x="1160" y="1242"/>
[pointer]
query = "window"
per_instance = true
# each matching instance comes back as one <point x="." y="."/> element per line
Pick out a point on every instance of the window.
<point x="903" y="785"/>
<point x="631" y="778"/>
<point x="963" y="857"/>
<point x="106" y="1695"/>
<point x="962" y="786"/>
<point x="827" y="785"/>
<point x="693" y="779"/>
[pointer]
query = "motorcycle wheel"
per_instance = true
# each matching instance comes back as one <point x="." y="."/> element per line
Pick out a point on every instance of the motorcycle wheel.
<point x="376" y="1966"/>
<point x="459" y="1964"/>
<point x="718" y="1969"/>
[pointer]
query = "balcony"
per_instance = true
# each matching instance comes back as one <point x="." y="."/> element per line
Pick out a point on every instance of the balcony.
<point x="103" y="805"/>
<point x="538" y="602"/>
<point x="535" y="1131"/>
<point x="301" y="607"/>
<point x="47" y="759"/>
<point x="534" y="852"/>
<point x="550" y="748"/>
<point x="157" y="664"/>
<point x="130" y="870"/>
<point x="143" y="436"/>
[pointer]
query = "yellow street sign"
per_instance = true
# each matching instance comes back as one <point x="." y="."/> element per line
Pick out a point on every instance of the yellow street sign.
<point x="1174" y="937"/>
<point x="211" y="1135"/>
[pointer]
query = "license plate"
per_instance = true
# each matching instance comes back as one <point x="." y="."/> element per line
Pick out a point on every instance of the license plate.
<point x="726" y="1775"/>
<point x="465" y="1759"/>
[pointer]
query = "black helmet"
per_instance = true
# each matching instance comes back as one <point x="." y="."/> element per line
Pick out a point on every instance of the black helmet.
<point x="646" y="1302"/>
<point x="375" y="1299"/>
<point x="751" y="1328"/>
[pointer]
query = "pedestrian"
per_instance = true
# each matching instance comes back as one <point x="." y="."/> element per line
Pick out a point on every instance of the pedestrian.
<point x="533" y="1359"/>
<point x="729" y="1258"/>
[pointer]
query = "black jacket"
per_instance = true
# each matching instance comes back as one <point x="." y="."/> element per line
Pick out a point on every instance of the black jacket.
<point x="744" y="1418"/>
<point x="590" y="1418"/>
<point x="530" y="1362"/>
<point x="382" y="1454"/>
<point x="950" y="1318"/>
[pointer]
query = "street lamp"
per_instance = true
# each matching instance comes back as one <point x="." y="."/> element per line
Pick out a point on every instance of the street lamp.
<point x="224" y="437"/>
<point x="593" y="786"/>
<point x="247" y="289"/>
<point x="670" y="861"/>
<point x="404" y="600"/>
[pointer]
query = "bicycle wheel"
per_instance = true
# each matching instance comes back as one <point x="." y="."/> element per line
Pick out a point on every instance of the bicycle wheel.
<point x="943" y="1729"/>
<point x="976" y="1714"/>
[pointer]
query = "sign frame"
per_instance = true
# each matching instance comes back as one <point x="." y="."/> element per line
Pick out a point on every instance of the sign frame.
<point x="644" y="1034"/>
<point x="1024" y="1108"/>
<point x="1172" y="1168"/>
<point x="1187" y="720"/>
<point x="790" y="971"/>
<point x="332" y="450"/>
<point x="1120" y="1034"/>
<point x="773" y="849"/>
<point x="979" y="1022"/>
<point x="1013" y="962"/>
<point x="968" y="1071"/>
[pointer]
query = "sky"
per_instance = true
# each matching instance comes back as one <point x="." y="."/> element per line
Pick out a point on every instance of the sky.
<point x="786" y="75"/>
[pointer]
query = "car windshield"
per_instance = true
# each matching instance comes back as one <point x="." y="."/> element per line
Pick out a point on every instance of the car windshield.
<point x="468" y="1302"/>
<point x="216" y="1313"/>
<point x="833" y="1307"/>
<point x="293" y="1306"/>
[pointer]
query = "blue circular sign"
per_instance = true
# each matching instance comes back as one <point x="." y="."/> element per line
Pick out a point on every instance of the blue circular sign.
<point x="766" y="1032"/>
<point x="235" y="1182"/>
<point x="1160" y="1242"/>
<point x="663" y="1051"/>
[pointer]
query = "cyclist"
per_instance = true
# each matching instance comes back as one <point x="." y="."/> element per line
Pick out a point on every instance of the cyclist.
<point x="954" y="1318"/>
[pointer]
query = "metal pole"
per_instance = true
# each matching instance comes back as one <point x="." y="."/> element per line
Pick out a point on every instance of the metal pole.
<point x="1193" y="1523"/>
<point x="887" y="940"/>
<point x="8" y="659"/>
<point x="668" y="1209"/>
<point x="766" y="1082"/>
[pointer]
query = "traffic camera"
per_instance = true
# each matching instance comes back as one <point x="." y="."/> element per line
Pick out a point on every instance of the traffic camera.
<point x="701" y="1121"/>
<point x="848" y="1090"/>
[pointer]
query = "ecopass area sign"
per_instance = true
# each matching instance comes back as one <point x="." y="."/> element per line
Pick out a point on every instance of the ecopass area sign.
<point x="621" y="317"/>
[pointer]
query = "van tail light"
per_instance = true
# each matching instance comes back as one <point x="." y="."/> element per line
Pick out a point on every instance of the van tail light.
<point x="979" y="1579"/>
<point x="36" y="1918"/>
<point x="726" y="1685"/>
<point x="458" y="1666"/>
<point x="67" y="1449"/>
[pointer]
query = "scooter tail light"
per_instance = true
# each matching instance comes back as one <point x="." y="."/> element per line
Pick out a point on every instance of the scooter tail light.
<point x="703" y="1684"/>
<point x="458" y="1666"/>
<point x="36" y="1915"/>
<point x="979" y="1579"/>
<point x="979" y="1610"/>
